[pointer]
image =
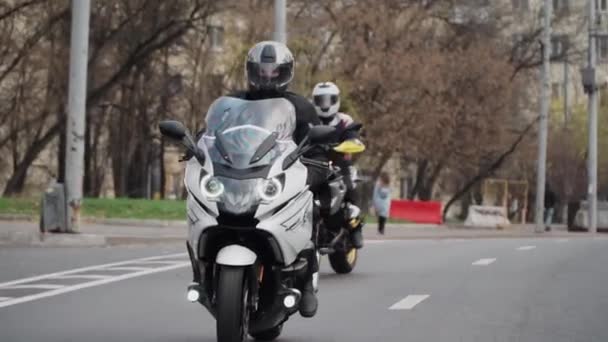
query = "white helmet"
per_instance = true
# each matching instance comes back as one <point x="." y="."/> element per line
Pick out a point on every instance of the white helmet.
<point x="326" y="99"/>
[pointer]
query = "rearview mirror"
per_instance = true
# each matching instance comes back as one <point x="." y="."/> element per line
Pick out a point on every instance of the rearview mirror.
<point x="172" y="129"/>
<point x="321" y="134"/>
<point x="175" y="130"/>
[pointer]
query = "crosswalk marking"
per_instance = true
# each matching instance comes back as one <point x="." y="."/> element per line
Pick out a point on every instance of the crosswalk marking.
<point x="89" y="268"/>
<point x="88" y="280"/>
<point x="121" y="268"/>
<point x="34" y="286"/>
<point x="82" y="276"/>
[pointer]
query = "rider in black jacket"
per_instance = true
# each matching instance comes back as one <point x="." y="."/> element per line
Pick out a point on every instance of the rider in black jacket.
<point x="270" y="69"/>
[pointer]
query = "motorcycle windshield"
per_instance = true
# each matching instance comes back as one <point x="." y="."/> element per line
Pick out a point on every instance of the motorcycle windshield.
<point x="244" y="134"/>
<point x="247" y="135"/>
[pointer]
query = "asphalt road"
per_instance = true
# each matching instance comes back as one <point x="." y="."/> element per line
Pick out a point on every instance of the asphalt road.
<point x="537" y="289"/>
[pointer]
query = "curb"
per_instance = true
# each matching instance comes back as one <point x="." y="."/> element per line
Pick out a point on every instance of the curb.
<point x="105" y="221"/>
<point x="18" y="217"/>
<point x="136" y="223"/>
<point x="21" y="238"/>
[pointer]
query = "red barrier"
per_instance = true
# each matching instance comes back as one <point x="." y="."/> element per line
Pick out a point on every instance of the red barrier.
<point x="416" y="211"/>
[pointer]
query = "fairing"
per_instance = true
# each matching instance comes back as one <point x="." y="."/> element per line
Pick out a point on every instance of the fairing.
<point x="237" y="130"/>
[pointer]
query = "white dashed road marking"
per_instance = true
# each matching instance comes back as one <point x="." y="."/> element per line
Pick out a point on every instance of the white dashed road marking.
<point x="372" y="242"/>
<point x="82" y="276"/>
<point x="484" y="262"/>
<point x="35" y="286"/>
<point x="525" y="248"/>
<point x="409" y="302"/>
<point x="89" y="280"/>
<point x="155" y="262"/>
<point x="134" y="269"/>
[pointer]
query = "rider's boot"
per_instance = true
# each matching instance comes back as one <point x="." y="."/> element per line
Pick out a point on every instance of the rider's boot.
<point x="355" y="223"/>
<point x="309" y="303"/>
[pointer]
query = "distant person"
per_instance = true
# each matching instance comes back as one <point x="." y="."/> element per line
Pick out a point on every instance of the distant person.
<point x="382" y="200"/>
<point x="550" y="201"/>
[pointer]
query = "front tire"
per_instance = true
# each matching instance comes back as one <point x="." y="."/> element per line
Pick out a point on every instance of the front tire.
<point x="268" y="335"/>
<point x="232" y="305"/>
<point x="344" y="262"/>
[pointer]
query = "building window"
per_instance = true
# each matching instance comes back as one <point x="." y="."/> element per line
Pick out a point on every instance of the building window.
<point x="559" y="46"/>
<point x="602" y="49"/>
<point x="216" y="37"/>
<point x="520" y="5"/>
<point x="561" y="6"/>
<point x="601" y="5"/>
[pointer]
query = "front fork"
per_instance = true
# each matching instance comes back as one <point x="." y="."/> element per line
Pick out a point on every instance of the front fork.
<point x="254" y="276"/>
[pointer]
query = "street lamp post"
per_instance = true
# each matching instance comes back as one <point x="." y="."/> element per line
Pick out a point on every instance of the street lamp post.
<point x="543" y="126"/>
<point x="75" y="128"/>
<point x="592" y="91"/>
<point x="280" y="21"/>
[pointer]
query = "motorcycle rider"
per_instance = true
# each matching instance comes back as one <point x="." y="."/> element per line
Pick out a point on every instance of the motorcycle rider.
<point x="326" y="99"/>
<point x="269" y="70"/>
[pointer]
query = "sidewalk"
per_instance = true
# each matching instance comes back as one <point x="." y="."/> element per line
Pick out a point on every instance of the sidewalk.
<point x="120" y="232"/>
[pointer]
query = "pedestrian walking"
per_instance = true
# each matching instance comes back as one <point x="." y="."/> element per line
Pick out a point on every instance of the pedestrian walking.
<point x="382" y="200"/>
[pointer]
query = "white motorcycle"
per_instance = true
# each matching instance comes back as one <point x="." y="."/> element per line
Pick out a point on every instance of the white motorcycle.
<point x="250" y="214"/>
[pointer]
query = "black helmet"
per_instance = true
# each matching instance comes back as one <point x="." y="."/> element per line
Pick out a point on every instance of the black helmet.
<point x="269" y="66"/>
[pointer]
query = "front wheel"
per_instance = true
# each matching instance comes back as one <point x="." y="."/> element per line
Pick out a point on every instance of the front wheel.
<point x="232" y="305"/>
<point x="343" y="262"/>
<point x="268" y="335"/>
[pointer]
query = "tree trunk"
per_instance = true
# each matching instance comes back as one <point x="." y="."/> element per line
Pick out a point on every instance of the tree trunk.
<point x="16" y="182"/>
<point x="61" y="155"/>
<point x="420" y="172"/>
<point x="488" y="171"/>
<point x="163" y="178"/>
<point x="465" y="203"/>
<point x="89" y="155"/>
<point x="425" y="192"/>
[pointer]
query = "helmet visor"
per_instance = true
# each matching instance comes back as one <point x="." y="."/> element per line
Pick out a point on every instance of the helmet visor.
<point x="269" y="75"/>
<point x="325" y="100"/>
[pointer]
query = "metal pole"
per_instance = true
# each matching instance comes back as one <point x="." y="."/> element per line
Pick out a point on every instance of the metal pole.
<point x="280" y="21"/>
<point x="545" y="94"/>
<point x="75" y="130"/>
<point x="592" y="109"/>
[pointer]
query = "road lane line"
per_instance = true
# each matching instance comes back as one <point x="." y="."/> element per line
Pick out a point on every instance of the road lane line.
<point x="408" y="302"/>
<point x="374" y="242"/>
<point x="89" y="268"/>
<point x="99" y="282"/>
<point x="484" y="262"/>
<point x="160" y="262"/>
<point x="134" y="269"/>
<point x="35" y="286"/>
<point x="82" y="276"/>
<point x="525" y="248"/>
<point x="5" y="298"/>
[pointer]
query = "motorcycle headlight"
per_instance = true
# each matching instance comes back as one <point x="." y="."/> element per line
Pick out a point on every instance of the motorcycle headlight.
<point x="211" y="187"/>
<point x="270" y="189"/>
